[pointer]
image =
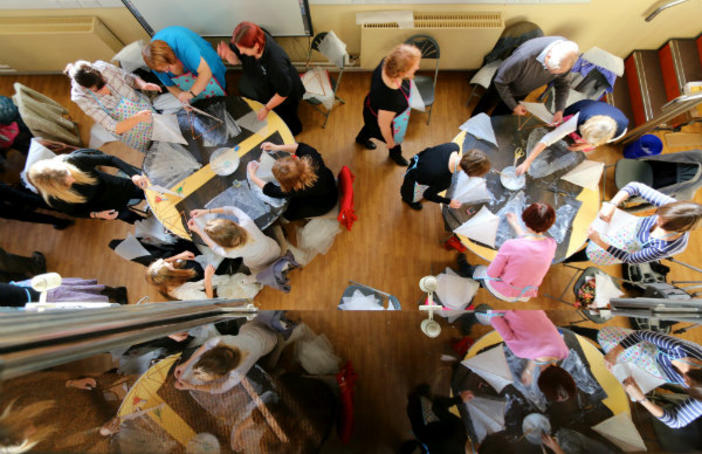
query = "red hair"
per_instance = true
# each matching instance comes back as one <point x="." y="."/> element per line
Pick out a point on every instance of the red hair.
<point x="539" y="217"/>
<point x="248" y="34"/>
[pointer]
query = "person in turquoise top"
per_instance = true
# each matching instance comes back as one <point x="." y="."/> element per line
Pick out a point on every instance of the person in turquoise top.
<point x="186" y="64"/>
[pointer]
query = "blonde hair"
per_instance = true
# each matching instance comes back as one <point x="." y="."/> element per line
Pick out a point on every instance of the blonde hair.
<point x="164" y="278"/>
<point x="401" y="59"/>
<point x="598" y="129"/>
<point x="295" y="174"/>
<point x="226" y="233"/>
<point x="157" y="54"/>
<point x="14" y="423"/>
<point x="49" y="177"/>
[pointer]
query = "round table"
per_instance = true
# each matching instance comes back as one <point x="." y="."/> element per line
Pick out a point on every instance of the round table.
<point x="202" y="186"/>
<point x="556" y="192"/>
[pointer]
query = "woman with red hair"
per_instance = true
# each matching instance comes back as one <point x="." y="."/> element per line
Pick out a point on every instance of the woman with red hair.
<point x="268" y="75"/>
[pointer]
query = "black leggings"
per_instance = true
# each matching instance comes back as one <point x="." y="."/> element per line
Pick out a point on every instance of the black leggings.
<point x="580" y="256"/>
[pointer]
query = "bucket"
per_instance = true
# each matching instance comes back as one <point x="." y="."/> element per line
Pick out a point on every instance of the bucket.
<point x="646" y="145"/>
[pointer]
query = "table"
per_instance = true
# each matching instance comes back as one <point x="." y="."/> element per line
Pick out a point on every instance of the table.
<point x="550" y="189"/>
<point x="202" y="186"/>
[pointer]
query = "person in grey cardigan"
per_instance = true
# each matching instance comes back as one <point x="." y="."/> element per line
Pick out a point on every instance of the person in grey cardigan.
<point x="537" y="62"/>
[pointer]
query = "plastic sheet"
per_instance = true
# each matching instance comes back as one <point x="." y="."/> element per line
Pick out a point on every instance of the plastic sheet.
<point x="415" y="100"/>
<point x="240" y="196"/>
<point x="314" y="353"/>
<point x="318" y="86"/>
<point x="166" y="129"/>
<point x="251" y="122"/>
<point x="455" y="292"/>
<point x="515" y="205"/>
<point x="471" y="190"/>
<point x="564" y="220"/>
<point x="318" y="235"/>
<point x="130" y="248"/>
<point x="480" y="127"/>
<point x="99" y="136"/>
<point x="211" y="131"/>
<point x="239" y="285"/>
<point x="481" y="227"/>
<point x="168" y="164"/>
<point x="207" y="256"/>
<point x="486" y="415"/>
<point x="360" y="302"/>
<point x="334" y="49"/>
<point x="153" y="232"/>
<point x="141" y="435"/>
<point x="258" y="192"/>
<point x="554" y="158"/>
<point x="167" y="103"/>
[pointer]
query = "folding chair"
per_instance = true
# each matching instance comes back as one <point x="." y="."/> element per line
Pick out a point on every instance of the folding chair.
<point x="337" y="60"/>
<point x="44" y="117"/>
<point x="426" y="84"/>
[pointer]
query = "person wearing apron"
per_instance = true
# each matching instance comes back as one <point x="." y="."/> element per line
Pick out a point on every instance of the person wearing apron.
<point x="386" y="108"/>
<point x="431" y="170"/>
<point x="647" y="239"/>
<point x="268" y="76"/>
<point x="107" y="94"/>
<point x="588" y="123"/>
<point x="186" y="64"/>
<point x="521" y="263"/>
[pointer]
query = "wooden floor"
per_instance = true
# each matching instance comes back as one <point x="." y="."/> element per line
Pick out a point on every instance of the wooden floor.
<point x="390" y="248"/>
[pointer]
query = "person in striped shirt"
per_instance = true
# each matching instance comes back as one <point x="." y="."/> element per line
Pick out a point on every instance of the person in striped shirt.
<point x="660" y="235"/>
<point x="680" y="362"/>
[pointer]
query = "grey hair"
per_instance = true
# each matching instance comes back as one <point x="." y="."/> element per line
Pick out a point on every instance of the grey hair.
<point x="598" y="130"/>
<point x="562" y="54"/>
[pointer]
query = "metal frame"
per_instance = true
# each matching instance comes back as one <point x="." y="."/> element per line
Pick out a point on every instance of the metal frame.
<point x="431" y="51"/>
<point x="670" y="110"/>
<point x="314" y="45"/>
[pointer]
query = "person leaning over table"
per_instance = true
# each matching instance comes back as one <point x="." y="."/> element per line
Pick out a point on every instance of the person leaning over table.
<point x="386" y="108"/>
<point x="430" y="171"/>
<point x="650" y="238"/>
<point x="535" y="63"/>
<point x="107" y="94"/>
<point x="521" y="263"/>
<point x="589" y="123"/>
<point x="72" y="184"/>
<point x="268" y="75"/>
<point x="674" y="360"/>
<point x="304" y="180"/>
<point x="186" y="64"/>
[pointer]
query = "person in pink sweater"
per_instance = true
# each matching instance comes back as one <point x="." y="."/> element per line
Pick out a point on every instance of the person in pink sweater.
<point x="521" y="263"/>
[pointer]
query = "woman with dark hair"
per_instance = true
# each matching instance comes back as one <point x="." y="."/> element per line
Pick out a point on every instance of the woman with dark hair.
<point x="186" y="64"/>
<point x="674" y="360"/>
<point x="108" y="95"/>
<point x="386" y="109"/>
<point x="556" y="384"/>
<point x="303" y="178"/>
<point x="521" y="263"/>
<point x="651" y="238"/>
<point x="268" y="75"/>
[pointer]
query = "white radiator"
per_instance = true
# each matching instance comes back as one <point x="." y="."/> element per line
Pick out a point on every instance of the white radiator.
<point x="464" y="38"/>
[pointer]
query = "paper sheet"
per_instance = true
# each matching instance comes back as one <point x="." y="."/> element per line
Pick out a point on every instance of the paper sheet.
<point x="604" y="59"/>
<point x="456" y="292"/>
<point x="621" y="431"/>
<point x="492" y="366"/>
<point x="250" y="121"/>
<point x="480" y="127"/>
<point x="619" y="220"/>
<point x="167" y="103"/>
<point x="481" y="227"/>
<point x="130" y="248"/>
<point x="129" y="57"/>
<point x="416" y="102"/>
<point x="645" y="380"/>
<point x="360" y="302"/>
<point x="166" y="129"/>
<point x="471" y="190"/>
<point x="605" y="290"/>
<point x="587" y="174"/>
<point x="404" y="19"/>
<point x="539" y="110"/>
<point x="487" y="416"/>
<point x="151" y="228"/>
<point x="318" y="86"/>
<point x="265" y="168"/>
<point x="334" y="49"/>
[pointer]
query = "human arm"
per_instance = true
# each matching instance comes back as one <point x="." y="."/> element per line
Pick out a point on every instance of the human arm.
<point x="498" y="265"/>
<point x="185" y="255"/>
<point x="88" y="159"/>
<point x="673" y="347"/>
<point x="647" y="193"/>
<point x="561" y="87"/>
<point x="675" y="417"/>
<point x="143" y="116"/>
<point x="272" y="103"/>
<point x="508" y="72"/>
<point x="146" y="86"/>
<point x="251" y="169"/>
<point x="547" y="140"/>
<point x="209" y="272"/>
<point x="432" y="194"/>
<point x="204" y="74"/>
<point x="513" y="222"/>
<point x="528" y="372"/>
<point x="385" y="118"/>
<point x="287" y="147"/>
<point x="551" y="443"/>
<point x="179" y="370"/>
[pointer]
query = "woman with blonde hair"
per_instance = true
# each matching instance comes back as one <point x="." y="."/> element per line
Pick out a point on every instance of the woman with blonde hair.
<point x="73" y="184"/>
<point x="18" y="432"/>
<point x="304" y="180"/>
<point x="588" y="123"/>
<point x="108" y="95"/>
<point x="186" y="64"/>
<point x="235" y="239"/>
<point x="386" y="109"/>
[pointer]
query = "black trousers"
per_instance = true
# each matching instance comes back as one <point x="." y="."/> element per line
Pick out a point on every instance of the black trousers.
<point x="19" y="204"/>
<point x="492" y="100"/>
<point x="407" y="188"/>
<point x="580" y="256"/>
<point x="288" y="112"/>
<point x="15" y="267"/>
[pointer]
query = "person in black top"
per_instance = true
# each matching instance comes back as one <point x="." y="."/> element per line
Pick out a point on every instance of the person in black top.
<point x="268" y="75"/>
<point x="72" y="184"/>
<point x="304" y="179"/>
<point x="434" y="167"/>
<point x="386" y="107"/>
<point x="19" y="203"/>
<point x="15" y="267"/>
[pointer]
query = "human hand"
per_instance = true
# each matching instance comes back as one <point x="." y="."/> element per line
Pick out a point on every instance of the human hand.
<point x="252" y="167"/>
<point x="557" y="118"/>
<point x="467" y="396"/>
<point x="521" y="168"/>
<point x="511" y="218"/>
<point x="527" y="376"/>
<point x="593" y="235"/>
<point x="178" y="337"/>
<point x="226" y="53"/>
<point x="148" y="86"/>
<point x="186" y="255"/>
<point x="108" y="215"/>
<point x="179" y="370"/>
<point x="143" y="116"/>
<point x="610" y="358"/>
<point x="550" y="442"/>
<point x="633" y="390"/>
<point x="185" y="97"/>
<point x="262" y="113"/>
<point x="82" y="383"/>
<point x="267" y="146"/>
<point x="209" y="271"/>
<point x="182" y="385"/>
<point x="606" y="211"/>
<point x="519" y="110"/>
<point x="140" y="181"/>
<point x="192" y="225"/>
<point x="455" y="204"/>
<point x="197" y="212"/>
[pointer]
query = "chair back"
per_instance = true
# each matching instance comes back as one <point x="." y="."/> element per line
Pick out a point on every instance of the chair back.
<point x="430" y="51"/>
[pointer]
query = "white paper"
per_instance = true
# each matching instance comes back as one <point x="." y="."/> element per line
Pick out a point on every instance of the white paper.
<point x="587" y="174"/>
<point x="471" y="190"/>
<point x="265" y="168"/>
<point x="130" y="248"/>
<point x="605" y="290"/>
<point x="415" y="100"/>
<point x="621" y="431"/>
<point x="456" y="292"/>
<point x="404" y="19"/>
<point x="492" y="366"/>
<point x="334" y="49"/>
<point x="645" y="380"/>
<point x="486" y="415"/>
<point x="539" y="110"/>
<point x="251" y="122"/>
<point x="485" y="74"/>
<point x="604" y="59"/>
<point x="166" y="129"/>
<point x="480" y="127"/>
<point x="620" y="219"/>
<point x="481" y="227"/>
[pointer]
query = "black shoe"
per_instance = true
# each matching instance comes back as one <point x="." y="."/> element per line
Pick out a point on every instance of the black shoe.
<point x="398" y="159"/>
<point x="367" y="143"/>
<point x="116" y="294"/>
<point x="414" y="205"/>
<point x="39" y="266"/>
<point x="63" y="224"/>
<point x="465" y="269"/>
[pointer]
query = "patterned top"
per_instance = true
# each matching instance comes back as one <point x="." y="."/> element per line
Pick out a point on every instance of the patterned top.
<point x="682" y="414"/>
<point x="121" y="85"/>
<point x="653" y="248"/>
